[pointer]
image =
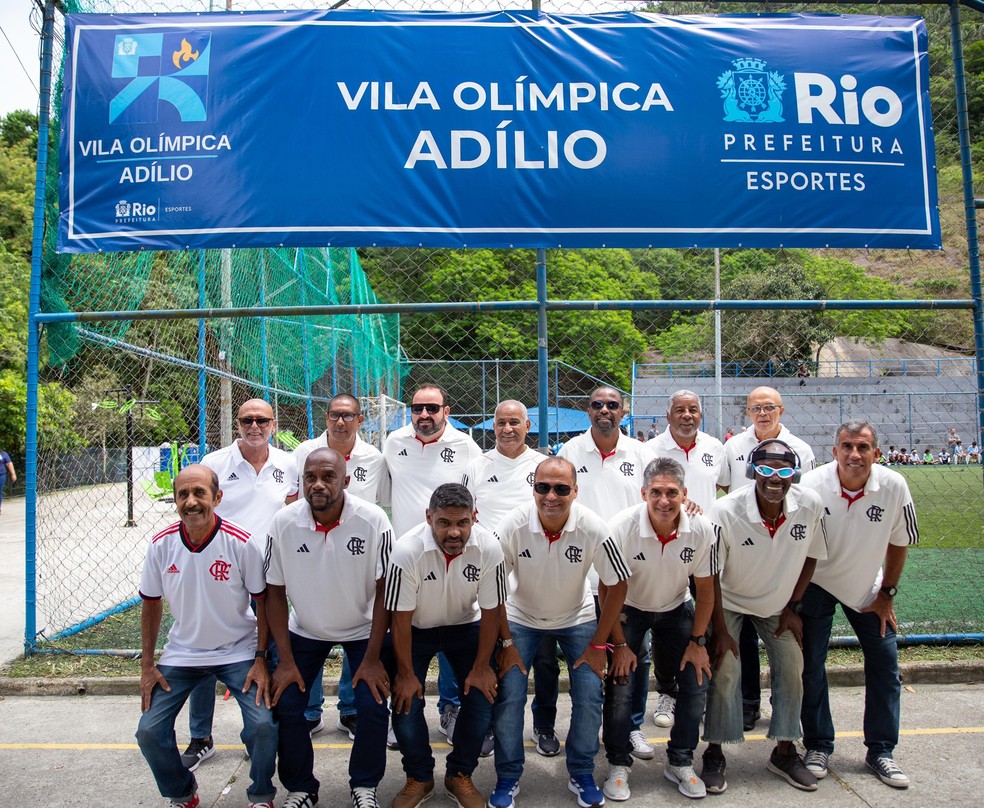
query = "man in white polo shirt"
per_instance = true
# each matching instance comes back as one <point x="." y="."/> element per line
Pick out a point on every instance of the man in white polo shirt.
<point x="328" y="554"/>
<point x="420" y="457"/>
<point x="663" y="547"/>
<point x="609" y="477"/>
<point x="769" y="538"/>
<point x="364" y="466"/>
<point x="257" y="479"/>
<point x="208" y="570"/>
<point x="871" y="520"/>
<point x="548" y="547"/>
<point x="445" y="583"/>
<point x="764" y="409"/>
<point x="703" y="458"/>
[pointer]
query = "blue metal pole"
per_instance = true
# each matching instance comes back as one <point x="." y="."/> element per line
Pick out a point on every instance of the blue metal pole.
<point x="202" y="380"/>
<point x="33" y="339"/>
<point x="542" y="355"/>
<point x="973" y="245"/>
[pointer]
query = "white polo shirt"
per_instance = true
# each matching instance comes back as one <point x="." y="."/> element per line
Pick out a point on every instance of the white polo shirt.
<point x="330" y="577"/>
<point x="860" y="531"/>
<point x="740" y="447"/>
<point x="551" y="578"/>
<point x="501" y="483"/>
<point x="612" y="483"/>
<point x="207" y="588"/>
<point x="661" y="572"/>
<point x="758" y="571"/>
<point x="703" y="464"/>
<point x="417" y="468"/>
<point x="443" y="590"/>
<point x="364" y="466"/>
<point x="251" y="498"/>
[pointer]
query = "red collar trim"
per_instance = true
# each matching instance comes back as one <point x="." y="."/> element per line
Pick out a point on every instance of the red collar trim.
<point x="773" y="530"/>
<point x="851" y="500"/>
<point x="320" y="528"/>
<point x="423" y="442"/>
<point x="604" y="456"/>
<point x="663" y="541"/>
<point x="448" y="559"/>
<point x="552" y="537"/>
<point x="684" y="449"/>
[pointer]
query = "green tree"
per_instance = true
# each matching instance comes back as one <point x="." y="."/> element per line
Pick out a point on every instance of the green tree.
<point x="56" y="415"/>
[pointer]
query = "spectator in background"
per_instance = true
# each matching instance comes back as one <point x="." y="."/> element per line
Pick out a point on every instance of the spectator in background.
<point x="928" y="458"/>
<point x="729" y="434"/>
<point x="974" y="453"/>
<point x="961" y="453"/>
<point x="641" y="436"/>
<point x="803" y="373"/>
<point x="653" y="431"/>
<point x="952" y="439"/>
<point x="6" y="470"/>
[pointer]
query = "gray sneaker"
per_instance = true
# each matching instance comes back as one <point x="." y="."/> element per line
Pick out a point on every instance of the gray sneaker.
<point x="792" y="769"/>
<point x="449" y="717"/>
<point x="888" y="771"/>
<point x="817" y="762"/>
<point x="198" y="750"/>
<point x="688" y="783"/>
<point x="712" y="772"/>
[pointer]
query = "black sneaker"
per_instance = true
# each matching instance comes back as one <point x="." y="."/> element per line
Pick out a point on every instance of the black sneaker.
<point x="546" y="742"/>
<point x="792" y="769"/>
<point x="712" y="772"/>
<point x="315" y="726"/>
<point x="750" y="715"/>
<point x="198" y="750"/>
<point x="888" y="771"/>
<point x="488" y="743"/>
<point x="346" y="724"/>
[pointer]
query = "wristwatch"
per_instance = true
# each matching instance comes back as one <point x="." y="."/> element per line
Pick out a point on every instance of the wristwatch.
<point x="700" y="641"/>
<point x="506" y="643"/>
<point x="263" y="655"/>
<point x="890" y="591"/>
<point x="795" y="606"/>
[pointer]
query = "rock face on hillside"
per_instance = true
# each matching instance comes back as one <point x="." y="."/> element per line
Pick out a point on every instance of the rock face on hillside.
<point x="894" y="358"/>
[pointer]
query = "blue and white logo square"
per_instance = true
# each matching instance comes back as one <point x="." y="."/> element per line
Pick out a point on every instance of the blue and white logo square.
<point x="751" y="93"/>
<point x="166" y="74"/>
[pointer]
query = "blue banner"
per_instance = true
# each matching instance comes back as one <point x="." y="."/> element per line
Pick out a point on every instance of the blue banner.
<point x="511" y="129"/>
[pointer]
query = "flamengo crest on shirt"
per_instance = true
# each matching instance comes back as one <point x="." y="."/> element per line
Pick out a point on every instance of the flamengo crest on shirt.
<point x="220" y="570"/>
<point x="447" y="455"/>
<point x="798" y="532"/>
<point x="687" y="555"/>
<point x="874" y="513"/>
<point x="628" y="469"/>
<point x="360" y="474"/>
<point x="574" y="554"/>
<point x="471" y="573"/>
<point x="356" y="546"/>
<point x="278" y="475"/>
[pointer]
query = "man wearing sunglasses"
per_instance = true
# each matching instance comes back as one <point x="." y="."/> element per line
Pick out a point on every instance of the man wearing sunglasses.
<point x="256" y="479"/>
<point x="769" y="537"/>
<point x="764" y="409"/>
<point x="364" y="466"/>
<point x="549" y="545"/>
<point x="871" y="521"/>
<point x="419" y="457"/>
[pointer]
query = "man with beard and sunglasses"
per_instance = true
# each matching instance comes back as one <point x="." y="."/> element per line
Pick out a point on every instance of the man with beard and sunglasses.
<point x="768" y="538"/>
<point x="419" y="457"/>
<point x="257" y="479"/>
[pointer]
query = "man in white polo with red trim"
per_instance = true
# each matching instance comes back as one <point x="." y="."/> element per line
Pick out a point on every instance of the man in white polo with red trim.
<point x="871" y="521"/>
<point x="208" y="570"/>
<point x="444" y="586"/>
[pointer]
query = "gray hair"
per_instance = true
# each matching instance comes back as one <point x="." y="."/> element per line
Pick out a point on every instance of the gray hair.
<point x="856" y="426"/>
<point x="664" y="467"/>
<point x="681" y="394"/>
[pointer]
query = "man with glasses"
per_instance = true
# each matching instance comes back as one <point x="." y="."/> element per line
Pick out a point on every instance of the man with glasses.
<point x="364" y="466"/>
<point x="549" y="545"/>
<point x="610" y="469"/>
<point x="871" y="520"/>
<point x="419" y="457"/>
<point x="769" y="537"/>
<point x="256" y="479"/>
<point x="764" y="409"/>
<point x="703" y="458"/>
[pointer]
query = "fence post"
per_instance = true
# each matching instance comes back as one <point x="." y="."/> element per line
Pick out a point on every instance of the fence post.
<point x="970" y="208"/>
<point x="542" y="368"/>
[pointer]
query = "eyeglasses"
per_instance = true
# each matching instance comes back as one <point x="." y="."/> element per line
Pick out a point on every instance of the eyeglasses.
<point x="257" y="421"/>
<point x="561" y="489"/>
<point x="432" y="409"/>
<point x="601" y="405"/>
<point x="766" y="408"/>
<point x="347" y="417"/>
<point x="768" y="471"/>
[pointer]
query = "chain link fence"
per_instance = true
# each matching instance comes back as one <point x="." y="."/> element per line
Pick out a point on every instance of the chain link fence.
<point x="141" y="397"/>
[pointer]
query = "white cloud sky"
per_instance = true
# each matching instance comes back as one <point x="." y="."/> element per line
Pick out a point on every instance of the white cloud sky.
<point x="17" y="87"/>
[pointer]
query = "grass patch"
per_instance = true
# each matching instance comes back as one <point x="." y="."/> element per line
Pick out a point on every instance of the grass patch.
<point x="949" y="505"/>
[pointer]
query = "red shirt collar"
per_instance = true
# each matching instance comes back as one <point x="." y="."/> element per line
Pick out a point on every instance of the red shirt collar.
<point x="320" y="528"/>
<point x="773" y="530"/>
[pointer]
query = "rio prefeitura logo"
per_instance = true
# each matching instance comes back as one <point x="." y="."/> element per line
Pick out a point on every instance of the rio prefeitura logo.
<point x="751" y="94"/>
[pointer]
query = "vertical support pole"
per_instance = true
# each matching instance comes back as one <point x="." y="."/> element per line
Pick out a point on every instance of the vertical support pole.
<point x="973" y="244"/>
<point x="202" y="380"/>
<point x="225" y="347"/>
<point x="33" y="339"/>
<point x="718" y="387"/>
<point x="130" y="521"/>
<point x="264" y="346"/>
<point x="542" y="369"/>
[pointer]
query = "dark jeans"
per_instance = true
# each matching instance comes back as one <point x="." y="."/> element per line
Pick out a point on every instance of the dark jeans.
<point x="671" y="634"/>
<point x="459" y="644"/>
<point x="882" y="685"/>
<point x="751" y="674"/>
<point x="546" y="671"/>
<point x="367" y="762"/>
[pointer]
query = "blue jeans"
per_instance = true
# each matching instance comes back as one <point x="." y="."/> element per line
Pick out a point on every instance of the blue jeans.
<point x="155" y="732"/>
<point x="671" y="632"/>
<point x="640" y="682"/>
<point x="723" y="722"/>
<point x="367" y="762"/>
<point x="201" y="708"/>
<point x="447" y="685"/>
<point x="459" y="644"/>
<point x="882" y="685"/>
<point x="546" y="670"/>
<point x="346" y="695"/>
<point x="586" y="701"/>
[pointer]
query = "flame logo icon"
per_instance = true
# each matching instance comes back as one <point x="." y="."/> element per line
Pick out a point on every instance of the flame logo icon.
<point x="184" y="55"/>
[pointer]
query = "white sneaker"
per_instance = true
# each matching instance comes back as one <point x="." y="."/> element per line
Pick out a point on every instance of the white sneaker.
<point x="663" y="715"/>
<point x="688" y="783"/>
<point x="617" y="785"/>
<point x="640" y="746"/>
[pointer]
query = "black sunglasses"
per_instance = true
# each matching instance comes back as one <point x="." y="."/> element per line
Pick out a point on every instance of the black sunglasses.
<point x="257" y="421"/>
<point x="561" y="489"/>
<point x="432" y="409"/>
<point x="600" y="405"/>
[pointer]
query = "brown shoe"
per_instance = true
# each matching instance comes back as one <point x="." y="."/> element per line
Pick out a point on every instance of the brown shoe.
<point x="462" y="790"/>
<point x="413" y="793"/>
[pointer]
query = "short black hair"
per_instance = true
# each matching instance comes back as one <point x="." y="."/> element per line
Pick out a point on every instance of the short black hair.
<point x="346" y="397"/>
<point x="451" y="495"/>
<point x="432" y="386"/>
